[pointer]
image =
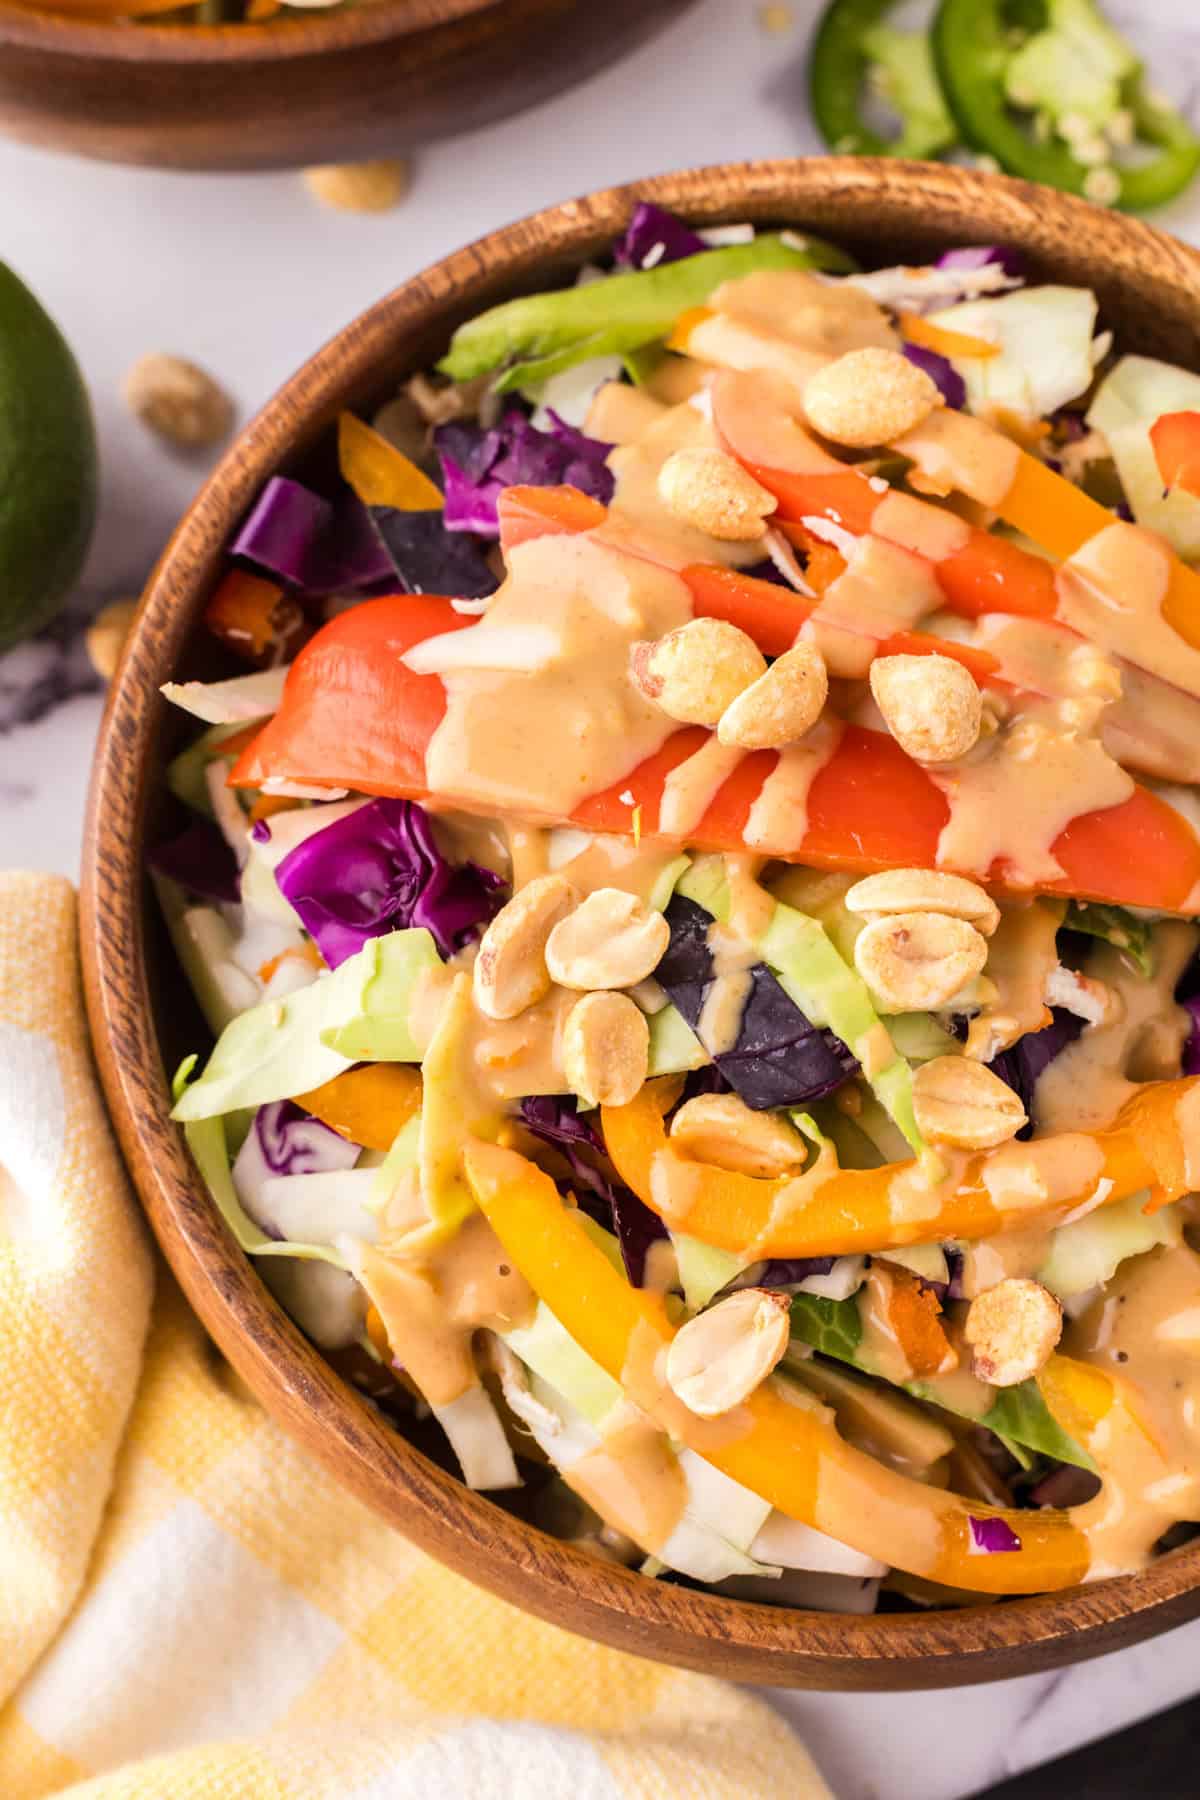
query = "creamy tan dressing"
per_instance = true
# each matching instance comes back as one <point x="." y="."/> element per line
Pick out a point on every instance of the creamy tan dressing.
<point x="952" y="450"/>
<point x="1021" y="954"/>
<point x="988" y="1261"/>
<point x="431" y="1305"/>
<point x="634" y="1480"/>
<point x="778" y="819"/>
<point x="725" y="998"/>
<point x="694" y="784"/>
<point x="1017" y="790"/>
<point x="1112" y="591"/>
<point x="879" y="1346"/>
<point x="540" y="741"/>
<point x="637" y="513"/>
<point x="621" y="413"/>
<point x="791" y="304"/>
<point x="929" y="531"/>
<point x="1085" y="1087"/>
<point x="882" y="589"/>
<point x="617" y="862"/>
<point x="1056" y="1171"/>
<point x="919" y="1190"/>
<point x="1144" y="1333"/>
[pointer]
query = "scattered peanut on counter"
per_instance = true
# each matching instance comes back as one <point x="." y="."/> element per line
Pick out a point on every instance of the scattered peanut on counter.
<point x="359" y="187"/>
<point x="179" y="401"/>
<point x="106" y="636"/>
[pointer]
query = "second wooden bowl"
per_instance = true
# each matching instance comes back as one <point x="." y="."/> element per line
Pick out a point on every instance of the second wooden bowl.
<point x="313" y="87"/>
<point x="1149" y="290"/>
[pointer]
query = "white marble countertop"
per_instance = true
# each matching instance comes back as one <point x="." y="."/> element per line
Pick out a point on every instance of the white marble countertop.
<point x="247" y="276"/>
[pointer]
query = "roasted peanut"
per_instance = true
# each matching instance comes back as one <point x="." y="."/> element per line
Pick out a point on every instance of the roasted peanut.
<point x="606" y="1049"/>
<point x="915" y="961"/>
<point x="695" y="672"/>
<point x="179" y="401"/>
<point x="611" y="940"/>
<point x="359" y="187"/>
<point x="923" y="890"/>
<point x="869" y="396"/>
<point x="930" y="704"/>
<point x="1012" y="1329"/>
<point x="721" y="1129"/>
<point x="707" y="489"/>
<point x="959" y="1101"/>
<point x="510" y="969"/>
<point x="106" y="636"/>
<point x="781" y="705"/>
<point x="718" y="1358"/>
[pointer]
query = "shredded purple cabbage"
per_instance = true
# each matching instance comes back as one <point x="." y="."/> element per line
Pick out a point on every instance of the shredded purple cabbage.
<point x="478" y="464"/>
<point x="978" y="256"/>
<point x="941" y="372"/>
<point x="379" y="869"/>
<point x="787" y="1271"/>
<point x="1021" y="1066"/>
<point x="1191" y="1050"/>
<point x="655" y="236"/>
<point x="425" y="558"/>
<point x="991" y="1536"/>
<point x="200" y="860"/>
<point x="780" y="1058"/>
<point x="307" y="542"/>
<point x="284" y="1140"/>
<point x="555" y="1118"/>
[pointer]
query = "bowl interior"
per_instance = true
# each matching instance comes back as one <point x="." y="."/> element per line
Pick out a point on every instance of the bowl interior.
<point x="143" y="1020"/>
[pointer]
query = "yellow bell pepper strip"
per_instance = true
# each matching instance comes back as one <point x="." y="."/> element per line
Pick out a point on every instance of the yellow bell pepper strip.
<point x="369" y="1105"/>
<point x="380" y="474"/>
<point x="827" y="1211"/>
<point x="782" y="1450"/>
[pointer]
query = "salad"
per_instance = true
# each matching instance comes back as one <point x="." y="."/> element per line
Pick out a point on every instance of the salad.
<point x="694" y="890"/>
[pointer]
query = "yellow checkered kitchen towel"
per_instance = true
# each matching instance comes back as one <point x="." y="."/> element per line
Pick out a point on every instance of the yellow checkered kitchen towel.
<point x="189" y="1608"/>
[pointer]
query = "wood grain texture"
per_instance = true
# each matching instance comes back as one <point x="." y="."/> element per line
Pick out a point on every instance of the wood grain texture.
<point x="311" y="88"/>
<point x="1149" y="287"/>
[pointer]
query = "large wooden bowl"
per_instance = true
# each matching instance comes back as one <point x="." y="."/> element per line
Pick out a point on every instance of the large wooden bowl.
<point x="311" y="88"/>
<point x="1149" y="289"/>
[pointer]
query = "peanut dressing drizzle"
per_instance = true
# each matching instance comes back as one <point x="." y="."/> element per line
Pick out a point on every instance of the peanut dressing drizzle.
<point x="693" y="785"/>
<point x="1112" y="590"/>
<point x="537" y="741"/>
<point x="432" y="1305"/>
<point x="1021" y="954"/>
<point x="634" y="1480"/>
<point x="1015" y="792"/>
<point x="1087" y="1084"/>
<point x="1144" y="1333"/>
<point x="778" y="818"/>
<point x="883" y="589"/>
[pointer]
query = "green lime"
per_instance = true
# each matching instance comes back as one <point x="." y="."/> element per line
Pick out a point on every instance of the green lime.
<point x="47" y="464"/>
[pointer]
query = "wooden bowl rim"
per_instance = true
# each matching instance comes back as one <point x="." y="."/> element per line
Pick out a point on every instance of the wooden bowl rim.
<point x="276" y="40"/>
<point x="749" y="1641"/>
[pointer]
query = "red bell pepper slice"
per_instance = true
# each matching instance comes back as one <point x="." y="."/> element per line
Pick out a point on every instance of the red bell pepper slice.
<point x="354" y="716"/>
<point x="1175" y="438"/>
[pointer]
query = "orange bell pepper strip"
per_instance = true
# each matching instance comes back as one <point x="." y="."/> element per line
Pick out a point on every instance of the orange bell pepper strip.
<point x="1048" y="508"/>
<point x="369" y="1105"/>
<point x="256" y="619"/>
<point x="788" y="1454"/>
<point x="839" y="1212"/>
<point x="354" y="716"/>
<point x="922" y="331"/>
<point x="1175" y="438"/>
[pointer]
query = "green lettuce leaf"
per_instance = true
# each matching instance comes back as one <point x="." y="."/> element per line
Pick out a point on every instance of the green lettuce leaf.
<point x="1123" y="930"/>
<point x="540" y="335"/>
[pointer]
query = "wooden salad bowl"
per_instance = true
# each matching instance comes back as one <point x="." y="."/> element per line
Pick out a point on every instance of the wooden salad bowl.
<point x="142" y="1018"/>
<point x="314" y="87"/>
